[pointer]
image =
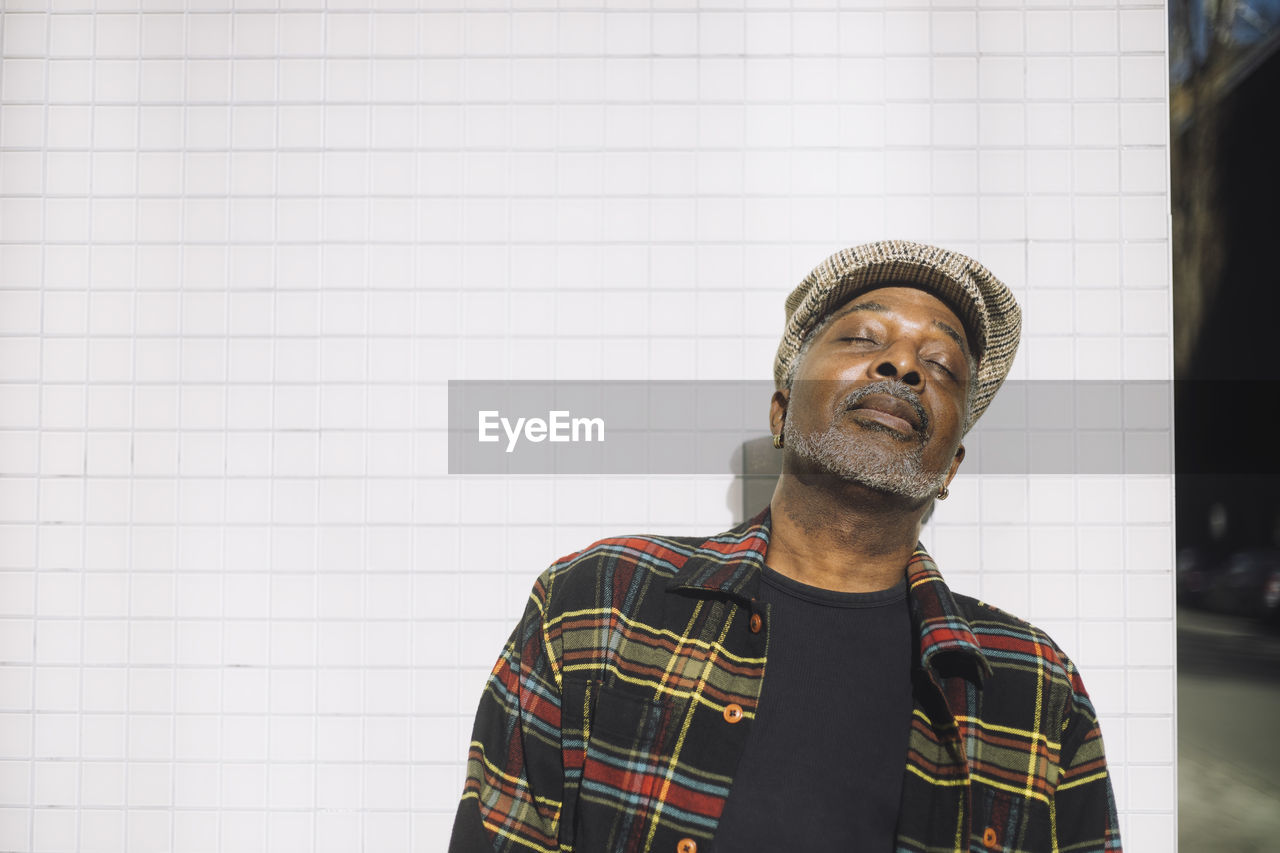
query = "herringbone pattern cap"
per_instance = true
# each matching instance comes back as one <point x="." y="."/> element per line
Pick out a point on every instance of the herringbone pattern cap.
<point x="991" y="316"/>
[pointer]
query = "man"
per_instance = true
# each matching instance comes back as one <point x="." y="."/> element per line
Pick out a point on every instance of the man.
<point x="806" y="681"/>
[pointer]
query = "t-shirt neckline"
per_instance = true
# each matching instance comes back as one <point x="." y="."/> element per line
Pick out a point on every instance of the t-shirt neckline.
<point x="834" y="598"/>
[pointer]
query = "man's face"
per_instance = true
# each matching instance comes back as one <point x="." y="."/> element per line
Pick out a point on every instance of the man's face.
<point x="879" y="396"/>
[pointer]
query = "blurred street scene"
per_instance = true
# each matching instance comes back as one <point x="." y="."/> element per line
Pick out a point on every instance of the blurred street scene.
<point x="1224" y="76"/>
<point x="1228" y="754"/>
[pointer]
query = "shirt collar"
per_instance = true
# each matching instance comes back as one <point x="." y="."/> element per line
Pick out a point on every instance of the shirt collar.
<point x="730" y="562"/>
<point x="942" y="629"/>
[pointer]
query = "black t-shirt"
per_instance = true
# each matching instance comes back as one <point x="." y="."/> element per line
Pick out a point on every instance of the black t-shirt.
<point x="823" y="763"/>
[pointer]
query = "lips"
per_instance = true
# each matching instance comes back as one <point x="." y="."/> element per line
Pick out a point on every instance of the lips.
<point x="890" y="411"/>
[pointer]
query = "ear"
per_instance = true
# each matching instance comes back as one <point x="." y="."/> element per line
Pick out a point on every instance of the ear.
<point x="778" y="410"/>
<point x="955" y="464"/>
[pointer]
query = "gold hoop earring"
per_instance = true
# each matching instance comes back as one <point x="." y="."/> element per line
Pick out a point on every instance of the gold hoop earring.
<point x="943" y="493"/>
<point x="777" y="441"/>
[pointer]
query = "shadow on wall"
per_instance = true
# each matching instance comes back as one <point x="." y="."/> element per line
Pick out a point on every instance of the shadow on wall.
<point x="757" y="466"/>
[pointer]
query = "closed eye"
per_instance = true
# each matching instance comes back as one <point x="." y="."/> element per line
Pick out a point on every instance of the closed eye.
<point x="942" y="366"/>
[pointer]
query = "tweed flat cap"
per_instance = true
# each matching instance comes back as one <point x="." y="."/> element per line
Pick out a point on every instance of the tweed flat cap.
<point x="991" y="316"/>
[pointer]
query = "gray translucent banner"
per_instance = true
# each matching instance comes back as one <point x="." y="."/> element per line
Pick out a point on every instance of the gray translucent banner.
<point x="722" y="427"/>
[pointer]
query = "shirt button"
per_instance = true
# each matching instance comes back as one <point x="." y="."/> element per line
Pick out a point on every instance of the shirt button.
<point x="989" y="837"/>
<point x="732" y="712"/>
<point x="686" y="845"/>
<point x="756" y="623"/>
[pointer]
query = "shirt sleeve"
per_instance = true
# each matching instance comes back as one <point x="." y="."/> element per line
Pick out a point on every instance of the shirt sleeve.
<point x="1084" y="805"/>
<point x="512" y="796"/>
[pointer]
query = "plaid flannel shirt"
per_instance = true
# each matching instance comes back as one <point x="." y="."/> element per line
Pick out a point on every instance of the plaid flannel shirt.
<point x="611" y="721"/>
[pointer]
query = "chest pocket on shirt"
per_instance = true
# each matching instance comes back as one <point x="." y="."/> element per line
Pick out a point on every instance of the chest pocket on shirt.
<point x="628" y="746"/>
<point x="999" y="821"/>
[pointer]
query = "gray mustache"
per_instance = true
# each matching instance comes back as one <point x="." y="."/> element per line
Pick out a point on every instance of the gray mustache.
<point x="893" y="388"/>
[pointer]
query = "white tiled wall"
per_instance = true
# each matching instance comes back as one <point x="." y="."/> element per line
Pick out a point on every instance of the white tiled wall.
<point x="243" y="607"/>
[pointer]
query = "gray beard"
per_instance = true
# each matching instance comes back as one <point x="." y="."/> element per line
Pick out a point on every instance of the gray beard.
<point x="850" y="457"/>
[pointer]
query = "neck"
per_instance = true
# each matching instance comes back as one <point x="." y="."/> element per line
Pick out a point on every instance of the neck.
<point x="841" y="536"/>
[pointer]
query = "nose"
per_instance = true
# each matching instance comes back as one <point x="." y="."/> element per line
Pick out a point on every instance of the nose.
<point x="899" y="362"/>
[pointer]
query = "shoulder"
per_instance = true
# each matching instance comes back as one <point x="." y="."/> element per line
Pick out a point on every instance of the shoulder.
<point x="656" y="553"/>
<point x="990" y="623"/>
<point x="617" y="561"/>
<point x="1009" y="641"/>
